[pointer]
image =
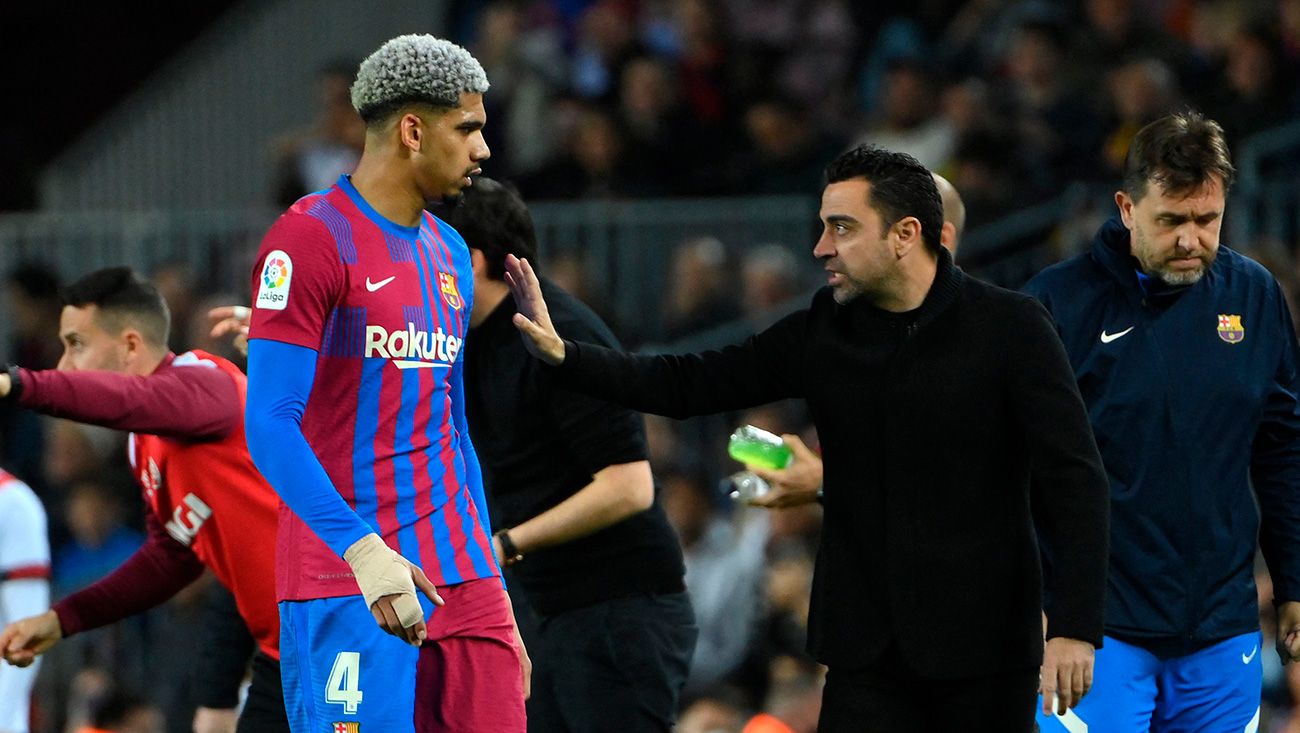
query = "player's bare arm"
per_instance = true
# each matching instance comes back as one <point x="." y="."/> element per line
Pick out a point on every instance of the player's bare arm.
<point x="615" y="493"/>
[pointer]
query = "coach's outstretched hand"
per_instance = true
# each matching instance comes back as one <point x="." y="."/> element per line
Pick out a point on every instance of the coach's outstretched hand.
<point x="533" y="320"/>
<point x="24" y="640"/>
<point x="1066" y="673"/>
<point x="388" y="582"/>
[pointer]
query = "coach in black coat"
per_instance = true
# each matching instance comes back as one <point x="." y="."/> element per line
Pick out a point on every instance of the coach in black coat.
<point x="950" y="425"/>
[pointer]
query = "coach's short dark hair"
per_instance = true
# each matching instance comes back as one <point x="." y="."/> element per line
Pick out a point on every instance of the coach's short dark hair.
<point x="124" y="300"/>
<point x="900" y="187"/>
<point x="494" y="220"/>
<point x="1180" y="152"/>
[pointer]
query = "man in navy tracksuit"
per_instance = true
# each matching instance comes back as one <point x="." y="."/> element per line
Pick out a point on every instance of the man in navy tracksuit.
<point x="1187" y="359"/>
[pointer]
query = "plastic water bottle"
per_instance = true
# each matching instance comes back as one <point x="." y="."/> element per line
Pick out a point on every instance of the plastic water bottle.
<point x="757" y="447"/>
<point x="746" y="485"/>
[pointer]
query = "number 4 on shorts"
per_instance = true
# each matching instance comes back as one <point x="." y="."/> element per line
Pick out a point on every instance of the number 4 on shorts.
<point x="344" y="686"/>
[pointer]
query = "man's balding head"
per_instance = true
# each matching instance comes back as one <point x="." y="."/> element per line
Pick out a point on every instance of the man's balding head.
<point x="954" y="214"/>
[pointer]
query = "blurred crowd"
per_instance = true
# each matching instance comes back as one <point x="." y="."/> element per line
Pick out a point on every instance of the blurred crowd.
<point x="1010" y="99"/>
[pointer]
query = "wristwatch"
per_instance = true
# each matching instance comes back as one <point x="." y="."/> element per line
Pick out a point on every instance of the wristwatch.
<point x="512" y="554"/>
<point x="15" y="383"/>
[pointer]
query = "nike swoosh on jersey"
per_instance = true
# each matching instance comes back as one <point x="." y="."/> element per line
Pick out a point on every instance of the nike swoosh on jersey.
<point x="1246" y="659"/>
<point x="372" y="287"/>
<point x="1108" y="337"/>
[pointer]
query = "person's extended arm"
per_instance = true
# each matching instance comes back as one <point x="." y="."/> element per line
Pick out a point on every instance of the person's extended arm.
<point x="614" y="494"/>
<point x="280" y="378"/>
<point x="196" y="402"/>
<point x="764" y="368"/>
<point x="1275" y="474"/>
<point x="154" y="573"/>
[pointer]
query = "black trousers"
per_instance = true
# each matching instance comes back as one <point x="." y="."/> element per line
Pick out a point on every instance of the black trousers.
<point x="264" y="708"/>
<point x="888" y="697"/>
<point x="618" y="665"/>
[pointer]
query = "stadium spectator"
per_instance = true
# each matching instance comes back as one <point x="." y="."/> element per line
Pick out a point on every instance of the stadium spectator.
<point x="356" y="417"/>
<point x="700" y="292"/>
<point x="917" y="353"/>
<point x="769" y="281"/>
<point x="32" y="302"/>
<point x="591" y="162"/>
<point x="908" y="120"/>
<point x="1141" y="91"/>
<point x="117" y="711"/>
<point x="785" y="150"/>
<point x="1257" y="90"/>
<point x="606" y="42"/>
<point x="725" y="573"/>
<point x="179" y="288"/>
<point x="99" y="538"/>
<point x="662" y="140"/>
<point x="526" y="64"/>
<point x="311" y="159"/>
<point x="1057" y="125"/>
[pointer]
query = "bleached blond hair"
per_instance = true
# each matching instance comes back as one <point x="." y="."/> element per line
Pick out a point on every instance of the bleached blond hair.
<point x="415" y="69"/>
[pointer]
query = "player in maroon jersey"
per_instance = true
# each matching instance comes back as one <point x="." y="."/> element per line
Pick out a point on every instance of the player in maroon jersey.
<point x="206" y="504"/>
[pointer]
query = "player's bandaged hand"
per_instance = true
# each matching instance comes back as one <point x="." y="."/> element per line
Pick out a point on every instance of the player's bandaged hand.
<point x="382" y="573"/>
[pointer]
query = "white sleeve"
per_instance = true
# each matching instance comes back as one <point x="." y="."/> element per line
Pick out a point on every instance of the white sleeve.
<point x="24" y="544"/>
<point x="25" y="553"/>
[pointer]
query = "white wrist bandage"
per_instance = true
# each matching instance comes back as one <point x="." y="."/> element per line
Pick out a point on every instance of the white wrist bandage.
<point x="380" y="571"/>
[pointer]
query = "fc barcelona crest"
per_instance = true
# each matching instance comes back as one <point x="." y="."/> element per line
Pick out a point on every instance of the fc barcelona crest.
<point x="1230" y="329"/>
<point x="447" y="284"/>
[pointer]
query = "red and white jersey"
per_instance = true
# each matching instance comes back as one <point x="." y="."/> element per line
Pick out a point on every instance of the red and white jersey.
<point x="210" y="498"/>
<point x="24" y="587"/>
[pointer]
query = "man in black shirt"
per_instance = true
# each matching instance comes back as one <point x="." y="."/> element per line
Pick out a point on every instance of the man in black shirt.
<point x="950" y="424"/>
<point x="573" y="499"/>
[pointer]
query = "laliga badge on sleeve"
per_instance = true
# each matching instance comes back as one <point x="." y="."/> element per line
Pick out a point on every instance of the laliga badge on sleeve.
<point x="273" y="286"/>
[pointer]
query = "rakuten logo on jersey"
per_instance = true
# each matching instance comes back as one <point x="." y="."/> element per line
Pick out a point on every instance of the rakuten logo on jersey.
<point x="412" y="348"/>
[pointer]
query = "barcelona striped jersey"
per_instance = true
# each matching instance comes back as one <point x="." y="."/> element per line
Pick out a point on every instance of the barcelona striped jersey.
<point x="386" y="308"/>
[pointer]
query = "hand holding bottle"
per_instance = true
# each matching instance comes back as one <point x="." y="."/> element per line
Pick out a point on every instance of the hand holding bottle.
<point x="799" y="482"/>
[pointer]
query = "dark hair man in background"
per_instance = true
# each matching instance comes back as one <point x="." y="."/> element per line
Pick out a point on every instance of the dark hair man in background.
<point x="573" y="504"/>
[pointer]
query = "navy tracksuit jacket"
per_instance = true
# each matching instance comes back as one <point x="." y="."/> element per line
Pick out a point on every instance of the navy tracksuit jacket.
<point x="1192" y="394"/>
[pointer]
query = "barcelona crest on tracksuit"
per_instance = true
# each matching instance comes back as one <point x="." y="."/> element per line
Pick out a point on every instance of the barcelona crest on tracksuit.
<point x="1230" y="329"/>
